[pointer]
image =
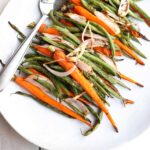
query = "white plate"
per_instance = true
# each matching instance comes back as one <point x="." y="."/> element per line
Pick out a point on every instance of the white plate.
<point x="52" y="131"/>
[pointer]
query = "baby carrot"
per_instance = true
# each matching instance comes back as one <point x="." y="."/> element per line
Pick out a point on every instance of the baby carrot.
<point x="78" y="77"/>
<point x="129" y="79"/>
<point x="84" y="12"/>
<point x="76" y="2"/>
<point x="49" y="30"/>
<point x="67" y="23"/>
<point x="106" y="51"/>
<point x="38" y="93"/>
<point x="42" y="50"/>
<point x="129" y="51"/>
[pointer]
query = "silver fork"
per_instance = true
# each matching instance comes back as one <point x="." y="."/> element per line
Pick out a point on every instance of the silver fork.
<point x="12" y="65"/>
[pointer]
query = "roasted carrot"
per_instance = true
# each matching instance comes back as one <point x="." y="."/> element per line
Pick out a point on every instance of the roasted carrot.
<point x="141" y="15"/>
<point x="77" y="76"/>
<point x="128" y="102"/>
<point x="44" y="29"/>
<point x="38" y="93"/>
<point x="129" y="51"/>
<point x="76" y="2"/>
<point x="106" y="51"/>
<point x="84" y="12"/>
<point x="81" y="99"/>
<point x="35" y="71"/>
<point x="71" y="94"/>
<point x="67" y="23"/>
<point x="135" y="33"/>
<point x="42" y="50"/>
<point x="130" y="80"/>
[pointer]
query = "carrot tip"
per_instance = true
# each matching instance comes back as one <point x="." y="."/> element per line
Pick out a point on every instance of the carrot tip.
<point x="116" y="129"/>
<point x="139" y="84"/>
<point x="126" y="101"/>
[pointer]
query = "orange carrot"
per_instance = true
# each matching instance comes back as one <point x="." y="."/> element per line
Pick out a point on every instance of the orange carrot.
<point x="71" y="94"/>
<point x="42" y="28"/>
<point x="106" y="51"/>
<point x="38" y="93"/>
<point x="35" y="71"/>
<point x="128" y="102"/>
<point x="141" y="15"/>
<point x="135" y="34"/>
<point x="129" y="79"/>
<point x="76" y="2"/>
<point x="129" y="51"/>
<point x="84" y="12"/>
<point x="78" y="77"/>
<point x="67" y="23"/>
<point x="42" y="50"/>
<point x="81" y="99"/>
<point x="49" y="30"/>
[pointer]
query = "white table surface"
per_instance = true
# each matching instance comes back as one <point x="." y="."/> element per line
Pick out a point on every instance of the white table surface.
<point x="10" y="140"/>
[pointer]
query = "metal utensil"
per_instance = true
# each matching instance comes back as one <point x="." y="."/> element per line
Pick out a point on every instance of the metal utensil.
<point x="12" y="65"/>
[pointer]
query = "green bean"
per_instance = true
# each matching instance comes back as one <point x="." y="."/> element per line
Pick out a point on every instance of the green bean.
<point x="94" y="29"/>
<point x="60" y="45"/>
<point x="129" y="43"/>
<point x="98" y="121"/>
<point x="68" y="34"/>
<point x="43" y="83"/>
<point x="112" y="3"/>
<point x="70" y="41"/>
<point x="111" y="91"/>
<point x="99" y="71"/>
<point x="87" y="6"/>
<point x="76" y="110"/>
<point x="72" y="29"/>
<point x="50" y="88"/>
<point x="17" y="30"/>
<point x="104" y="74"/>
<point x="140" y="11"/>
<point x="112" y="46"/>
<point x="101" y="5"/>
<point x="44" y="104"/>
<point x="92" y="57"/>
<point x="101" y="63"/>
<point x="37" y="58"/>
<point x="101" y="89"/>
<point x="31" y="55"/>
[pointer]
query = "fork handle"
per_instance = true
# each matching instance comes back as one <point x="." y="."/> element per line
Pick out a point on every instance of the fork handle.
<point x="15" y="60"/>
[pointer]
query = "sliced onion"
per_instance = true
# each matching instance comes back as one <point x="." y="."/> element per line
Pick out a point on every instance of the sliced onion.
<point x="117" y="19"/>
<point x="109" y="22"/>
<point x="97" y="43"/>
<point x="53" y="37"/>
<point x="108" y="60"/>
<point x="84" y="67"/>
<point x="60" y="74"/>
<point x="84" y="31"/>
<point x="123" y="8"/>
<point x="79" y="51"/>
<point x="68" y="44"/>
<point x="96" y="36"/>
<point x="78" y="104"/>
<point x="58" y="38"/>
<point x="32" y="79"/>
<point x="76" y="17"/>
<point x="41" y="77"/>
